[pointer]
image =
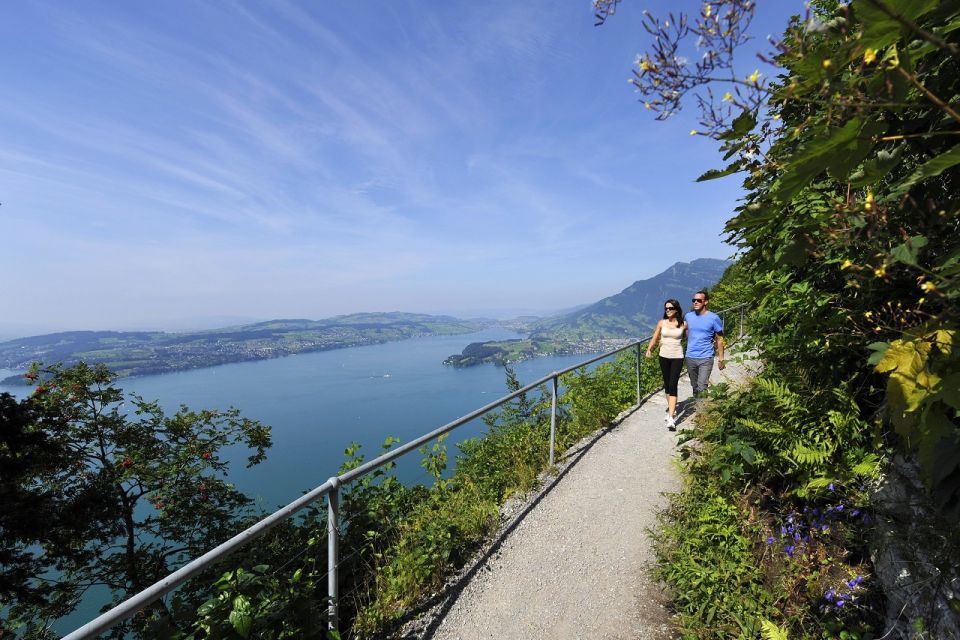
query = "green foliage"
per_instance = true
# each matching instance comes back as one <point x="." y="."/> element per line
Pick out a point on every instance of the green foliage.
<point x="141" y="491"/>
<point x="849" y="254"/>
<point x="705" y="552"/>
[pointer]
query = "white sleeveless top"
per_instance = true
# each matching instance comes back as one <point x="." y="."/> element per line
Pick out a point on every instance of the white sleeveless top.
<point x="670" y="335"/>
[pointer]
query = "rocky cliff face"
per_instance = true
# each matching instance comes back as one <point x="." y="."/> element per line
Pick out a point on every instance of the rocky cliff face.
<point x="916" y="557"/>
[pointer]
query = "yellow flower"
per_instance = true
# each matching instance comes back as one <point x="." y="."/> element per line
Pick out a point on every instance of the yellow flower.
<point x="846" y="264"/>
<point x="870" y="55"/>
<point x="827" y="63"/>
<point x="880" y="271"/>
<point x="754" y="77"/>
<point x="727" y="97"/>
<point x="868" y="204"/>
<point x="645" y="65"/>
<point x="693" y="132"/>
<point x="868" y="314"/>
<point x="928" y="287"/>
<point x="707" y="10"/>
<point x="647" y="105"/>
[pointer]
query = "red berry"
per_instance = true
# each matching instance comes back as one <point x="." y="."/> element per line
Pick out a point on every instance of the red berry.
<point x="206" y="455"/>
<point x="127" y="463"/>
<point x="30" y="376"/>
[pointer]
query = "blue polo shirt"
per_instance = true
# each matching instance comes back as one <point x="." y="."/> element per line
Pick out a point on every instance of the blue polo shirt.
<point x="701" y="329"/>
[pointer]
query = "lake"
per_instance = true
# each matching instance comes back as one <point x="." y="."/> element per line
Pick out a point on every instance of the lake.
<point x="318" y="403"/>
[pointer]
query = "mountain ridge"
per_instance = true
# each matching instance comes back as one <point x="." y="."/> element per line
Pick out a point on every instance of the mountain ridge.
<point x="608" y="323"/>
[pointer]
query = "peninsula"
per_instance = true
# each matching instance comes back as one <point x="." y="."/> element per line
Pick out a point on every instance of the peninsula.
<point x="135" y="353"/>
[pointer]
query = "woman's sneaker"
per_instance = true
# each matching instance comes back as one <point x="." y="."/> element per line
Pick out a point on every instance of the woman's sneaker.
<point x="671" y="423"/>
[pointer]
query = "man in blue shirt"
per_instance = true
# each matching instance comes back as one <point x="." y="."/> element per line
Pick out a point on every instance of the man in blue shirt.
<point x="704" y="331"/>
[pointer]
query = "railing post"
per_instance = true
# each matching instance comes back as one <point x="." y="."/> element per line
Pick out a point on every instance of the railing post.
<point x="553" y="416"/>
<point x="638" y="374"/>
<point x="333" y="553"/>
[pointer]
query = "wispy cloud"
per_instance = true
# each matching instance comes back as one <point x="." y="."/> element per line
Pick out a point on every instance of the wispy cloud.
<point x="291" y="155"/>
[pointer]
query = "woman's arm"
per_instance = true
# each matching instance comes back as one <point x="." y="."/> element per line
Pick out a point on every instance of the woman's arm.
<point x="653" y="340"/>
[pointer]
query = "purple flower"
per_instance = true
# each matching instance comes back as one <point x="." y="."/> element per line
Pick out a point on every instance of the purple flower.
<point x="851" y="583"/>
<point x="839" y="603"/>
<point x="855" y="513"/>
<point x="830" y="486"/>
<point x="829" y="594"/>
<point x="824" y="528"/>
<point x="769" y="539"/>
<point x="858" y="579"/>
<point x="789" y="549"/>
<point x="839" y="507"/>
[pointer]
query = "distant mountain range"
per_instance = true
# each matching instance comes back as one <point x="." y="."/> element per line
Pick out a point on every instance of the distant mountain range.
<point x="131" y="353"/>
<point x="635" y="309"/>
<point x="630" y="314"/>
<point x="587" y="328"/>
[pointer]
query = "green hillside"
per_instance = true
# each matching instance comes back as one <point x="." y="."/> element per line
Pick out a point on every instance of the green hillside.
<point x="130" y="353"/>
<point x="635" y="310"/>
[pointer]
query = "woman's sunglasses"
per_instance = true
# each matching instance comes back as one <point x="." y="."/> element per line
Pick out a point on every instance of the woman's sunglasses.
<point x="669" y="308"/>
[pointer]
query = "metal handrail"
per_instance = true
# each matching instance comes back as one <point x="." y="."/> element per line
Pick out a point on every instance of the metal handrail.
<point x="331" y="489"/>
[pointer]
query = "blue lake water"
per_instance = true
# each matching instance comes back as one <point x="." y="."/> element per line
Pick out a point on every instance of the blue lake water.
<point x="318" y="403"/>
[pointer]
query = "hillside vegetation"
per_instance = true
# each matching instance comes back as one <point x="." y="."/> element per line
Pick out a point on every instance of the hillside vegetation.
<point x="132" y="353"/>
<point x="823" y="500"/>
<point x="606" y="324"/>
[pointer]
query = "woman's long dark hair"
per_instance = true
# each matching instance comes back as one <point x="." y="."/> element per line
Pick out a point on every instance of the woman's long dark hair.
<point x="676" y="305"/>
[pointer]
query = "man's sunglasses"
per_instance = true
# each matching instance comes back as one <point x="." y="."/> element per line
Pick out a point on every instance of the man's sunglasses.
<point x="698" y="300"/>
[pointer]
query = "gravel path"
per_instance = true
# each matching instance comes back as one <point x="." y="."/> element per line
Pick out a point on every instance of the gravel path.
<point x="571" y="561"/>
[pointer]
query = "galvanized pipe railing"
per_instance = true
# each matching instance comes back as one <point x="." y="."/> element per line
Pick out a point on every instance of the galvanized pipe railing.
<point x="331" y="489"/>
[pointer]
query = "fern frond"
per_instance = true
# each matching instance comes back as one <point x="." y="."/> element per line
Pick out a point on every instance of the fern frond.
<point x="770" y="631"/>
<point x="869" y="466"/>
<point x="805" y="455"/>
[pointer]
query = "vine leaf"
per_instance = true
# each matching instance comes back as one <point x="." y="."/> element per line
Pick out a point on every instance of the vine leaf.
<point x="741" y="126"/>
<point x="907" y="252"/>
<point x="928" y="169"/>
<point x="875" y="168"/>
<point x="713" y="174"/>
<point x="881" y="30"/>
<point x="856" y="136"/>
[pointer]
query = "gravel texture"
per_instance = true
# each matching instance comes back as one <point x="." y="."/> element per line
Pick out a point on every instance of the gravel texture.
<point x="571" y="561"/>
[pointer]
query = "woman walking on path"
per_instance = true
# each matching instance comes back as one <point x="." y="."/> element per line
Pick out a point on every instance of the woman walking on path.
<point x="669" y="331"/>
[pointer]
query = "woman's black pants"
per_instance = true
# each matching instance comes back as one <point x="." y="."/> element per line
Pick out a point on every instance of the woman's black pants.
<point x="671" y="374"/>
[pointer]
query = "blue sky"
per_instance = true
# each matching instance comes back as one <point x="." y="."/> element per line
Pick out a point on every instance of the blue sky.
<point x="183" y="162"/>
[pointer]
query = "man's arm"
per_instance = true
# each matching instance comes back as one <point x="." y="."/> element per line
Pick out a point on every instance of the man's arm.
<point x="718" y="338"/>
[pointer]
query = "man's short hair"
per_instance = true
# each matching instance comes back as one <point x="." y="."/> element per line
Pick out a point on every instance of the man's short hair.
<point x="706" y="295"/>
